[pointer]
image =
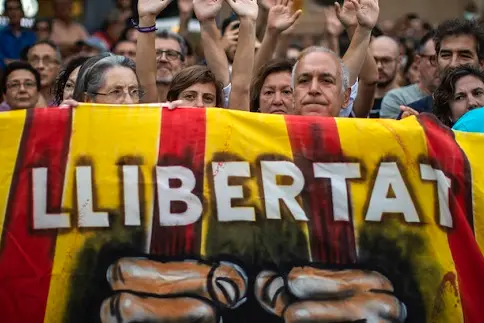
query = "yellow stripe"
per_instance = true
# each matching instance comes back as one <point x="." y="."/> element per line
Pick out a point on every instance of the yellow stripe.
<point x="240" y="137"/>
<point x="11" y="130"/>
<point x="473" y="146"/>
<point x="104" y="137"/>
<point x="370" y="142"/>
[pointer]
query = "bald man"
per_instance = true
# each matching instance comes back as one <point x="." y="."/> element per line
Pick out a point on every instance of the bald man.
<point x="386" y="53"/>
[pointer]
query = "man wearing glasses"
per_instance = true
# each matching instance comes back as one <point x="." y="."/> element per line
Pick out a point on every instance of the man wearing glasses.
<point x="20" y="86"/>
<point x="46" y="59"/>
<point x="428" y="81"/>
<point x="457" y="42"/>
<point x="170" y="59"/>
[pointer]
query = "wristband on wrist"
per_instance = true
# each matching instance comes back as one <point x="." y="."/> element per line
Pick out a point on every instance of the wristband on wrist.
<point x="149" y="29"/>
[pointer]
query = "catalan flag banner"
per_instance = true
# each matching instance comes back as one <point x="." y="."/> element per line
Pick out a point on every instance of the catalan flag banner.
<point x="141" y="214"/>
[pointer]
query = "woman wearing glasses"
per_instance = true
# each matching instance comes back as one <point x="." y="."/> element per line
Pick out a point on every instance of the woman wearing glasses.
<point x="20" y="86"/>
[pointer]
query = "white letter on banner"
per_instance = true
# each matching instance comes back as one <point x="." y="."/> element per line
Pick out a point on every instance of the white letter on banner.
<point x="288" y="193"/>
<point x="389" y="177"/>
<point x="42" y="219"/>
<point x="132" y="215"/>
<point x="338" y="173"/>
<point x="87" y="217"/>
<point x="225" y="193"/>
<point x="184" y="194"/>
<point x="427" y="173"/>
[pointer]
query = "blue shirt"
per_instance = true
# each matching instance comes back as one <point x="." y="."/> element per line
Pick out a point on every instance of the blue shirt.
<point x="422" y="105"/>
<point x="472" y="121"/>
<point x="11" y="46"/>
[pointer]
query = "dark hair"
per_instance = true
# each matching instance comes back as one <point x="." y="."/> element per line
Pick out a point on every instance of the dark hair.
<point x="423" y="41"/>
<point x="15" y="66"/>
<point x="63" y="77"/>
<point x="295" y="46"/>
<point x="445" y="92"/>
<point x="91" y="75"/>
<point x="377" y="32"/>
<point x="7" y="1"/>
<point x="408" y="64"/>
<point x="458" y="27"/>
<point x="40" y="20"/>
<point x="165" y="34"/>
<point x="273" y="66"/>
<point x="113" y="48"/>
<point x="193" y="75"/>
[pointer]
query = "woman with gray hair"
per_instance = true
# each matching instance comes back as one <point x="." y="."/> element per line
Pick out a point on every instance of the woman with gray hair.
<point x="108" y="79"/>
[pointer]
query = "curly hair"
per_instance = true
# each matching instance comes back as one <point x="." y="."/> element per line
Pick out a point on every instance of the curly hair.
<point x="445" y="92"/>
<point x="63" y="77"/>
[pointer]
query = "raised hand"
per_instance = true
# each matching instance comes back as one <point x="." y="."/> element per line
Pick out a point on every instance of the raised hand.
<point x="367" y="12"/>
<point x="268" y="3"/>
<point x="207" y="9"/>
<point x="346" y="13"/>
<point x="231" y="36"/>
<point x="333" y="24"/>
<point x="280" y="16"/>
<point x="151" y="7"/>
<point x="185" y="6"/>
<point x="245" y="8"/>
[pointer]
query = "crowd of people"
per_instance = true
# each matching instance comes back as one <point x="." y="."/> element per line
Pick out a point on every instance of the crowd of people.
<point x="251" y="61"/>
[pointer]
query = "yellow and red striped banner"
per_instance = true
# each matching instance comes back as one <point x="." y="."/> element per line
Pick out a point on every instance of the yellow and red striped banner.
<point x="105" y="210"/>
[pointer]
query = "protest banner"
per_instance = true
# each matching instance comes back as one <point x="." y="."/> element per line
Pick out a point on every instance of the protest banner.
<point x="117" y="214"/>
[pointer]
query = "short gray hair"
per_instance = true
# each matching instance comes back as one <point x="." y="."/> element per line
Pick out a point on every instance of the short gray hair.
<point x="345" y="73"/>
<point x="167" y="34"/>
<point x="91" y="75"/>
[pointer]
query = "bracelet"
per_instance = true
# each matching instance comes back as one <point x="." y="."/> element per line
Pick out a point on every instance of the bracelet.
<point x="144" y="29"/>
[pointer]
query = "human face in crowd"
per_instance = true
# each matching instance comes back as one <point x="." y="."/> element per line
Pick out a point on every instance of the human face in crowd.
<point x="276" y="94"/>
<point x="45" y="60"/>
<point x="318" y="85"/>
<point x="386" y="54"/>
<point x="168" y="59"/>
<point x="199" y="95"/>
<point x="120" y="87"/>
<point x="42" y="30"/>
<point x="457" y="50"/>
<point x="70" y="84"/>
<point x="429" y="75"/>
<point x="468" y="95"/>
<point x="126" y="49"/>
<point x="22" y="90"/>
<point x="14" y="12"/>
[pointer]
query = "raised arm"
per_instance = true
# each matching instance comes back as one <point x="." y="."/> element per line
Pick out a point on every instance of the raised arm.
<point x="369" y="72"/>
<point x="280" y="19"/>
<point x="367" y="12"/>
<point x="244" y="56"/>
<point x="145" y="48"/>
<point x="185" y="8"/>
<point x="206" y="11"/>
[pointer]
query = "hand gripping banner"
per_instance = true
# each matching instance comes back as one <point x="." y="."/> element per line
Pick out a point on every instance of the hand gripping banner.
<point x="117" y="214"/>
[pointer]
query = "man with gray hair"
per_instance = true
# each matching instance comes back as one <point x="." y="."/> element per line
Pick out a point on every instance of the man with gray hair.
<point x="321" y="79"/>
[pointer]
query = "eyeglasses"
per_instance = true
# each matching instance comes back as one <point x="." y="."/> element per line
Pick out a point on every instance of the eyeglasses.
<point x="119" y="94"/>
<point x="432" y="58"/>
<point x="170" y="54"/>
<point x="15" y="86"/>
<point x="384" y="60"/>
<point x="46" y="60"/>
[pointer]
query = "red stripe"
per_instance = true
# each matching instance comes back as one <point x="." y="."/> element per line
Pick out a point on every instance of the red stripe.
<point x="182" y="143"/>
<point x="446" y="155"/>
<point x="26" y="256"/>
<point x="317" y="140"/>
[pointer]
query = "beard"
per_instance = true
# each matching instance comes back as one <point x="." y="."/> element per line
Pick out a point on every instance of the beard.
<point x="384" y="84"/>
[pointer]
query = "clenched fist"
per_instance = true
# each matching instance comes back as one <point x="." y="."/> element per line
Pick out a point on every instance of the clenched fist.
<point x="185" y="291"/>
<point x="329" y="296"/>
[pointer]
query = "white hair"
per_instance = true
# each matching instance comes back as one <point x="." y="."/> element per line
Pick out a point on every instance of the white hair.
<point x="345" y="73"/>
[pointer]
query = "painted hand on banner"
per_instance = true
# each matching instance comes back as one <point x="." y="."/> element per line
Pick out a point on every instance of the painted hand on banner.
<point x="207" y="9"/>
<point x="329" y="296"/>
<point x="184" y="291"/>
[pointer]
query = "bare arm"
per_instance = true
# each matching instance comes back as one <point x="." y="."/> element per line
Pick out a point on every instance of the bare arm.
<point x="213" y="51"/>
<point x="185" y="8"/>
<point x="243" y="66"/>
<point x="146" y="60"/>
